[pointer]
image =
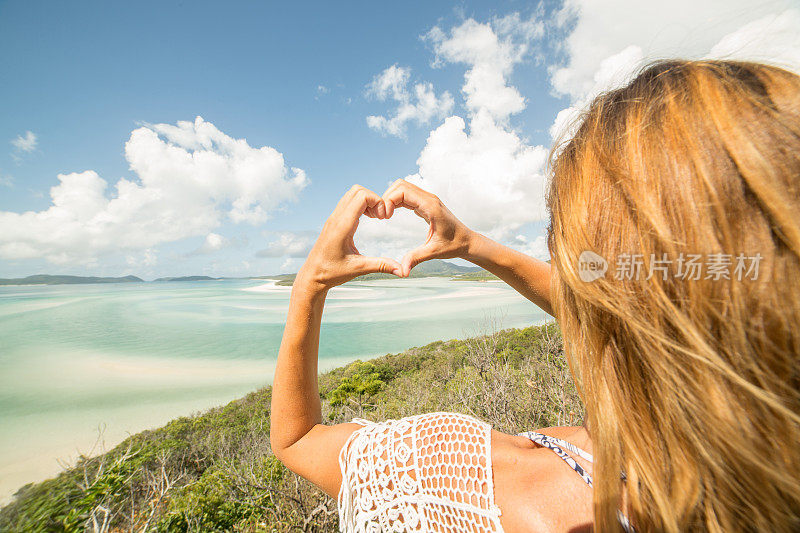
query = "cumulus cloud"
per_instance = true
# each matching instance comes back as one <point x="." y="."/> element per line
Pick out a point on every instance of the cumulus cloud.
<point x="480" y="167"/>
<point x="484" y="170"/>
<point x="419" y="104"/>
<point x="190" y="178"/>
<point x="487" y="174"/>
<point x="213" y="242"/>
<point x="289" y="244"/>
<point x="535" y="248"/>
<point x="490" y="50"/>
<point x="602" y="54"/>
<point x="683" y="28"/>
<point x="390" y="238"/>
<point x="774" y="38"/>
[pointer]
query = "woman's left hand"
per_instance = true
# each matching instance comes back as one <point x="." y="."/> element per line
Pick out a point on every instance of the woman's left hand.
<point x="334" y="259"/>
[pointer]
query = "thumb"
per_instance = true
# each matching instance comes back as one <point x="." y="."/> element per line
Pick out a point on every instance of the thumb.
<point x="417" y="256"/>
<point x="368" y="265"/>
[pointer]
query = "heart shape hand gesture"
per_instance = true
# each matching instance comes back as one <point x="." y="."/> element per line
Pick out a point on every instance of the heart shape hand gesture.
<point x="334" y="259"/>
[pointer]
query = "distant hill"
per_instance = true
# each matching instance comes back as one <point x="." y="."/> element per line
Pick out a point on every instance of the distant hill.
<point x="440" y="266"/>
<point x="187" y="278"/>
<point x="432" y="268"/>
<point x="45" y="279"/>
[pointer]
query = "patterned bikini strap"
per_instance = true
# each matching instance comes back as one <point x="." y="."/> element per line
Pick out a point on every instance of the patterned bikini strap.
<point x="558" y="446"/>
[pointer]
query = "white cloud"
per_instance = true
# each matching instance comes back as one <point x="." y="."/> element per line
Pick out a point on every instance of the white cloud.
<point x="603" y="54"/>
<point x="490" y="176"/>
<point x="24" y="143"/>
<point x="213" y="242"/>
<point x="146" y="258"/>
<point x="390" y="238"/>
<point x="613" y="71"/>
<point x="419" y="105"/>
<point x="190" y="177"/>
<point x="322" y="90"/>
<point x="682" y="28"/>
<point x="491" y="50"/>
<point x="483" y="170"/>
<point x="774" y="38"/>
<point x="289" y="244"/>
<point x="487" y="174"/>
<point x="391" y="83"/>
<point x="536" y="248"/>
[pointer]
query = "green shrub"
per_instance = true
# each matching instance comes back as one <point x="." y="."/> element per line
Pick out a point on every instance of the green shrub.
<point x="215" y="471"/>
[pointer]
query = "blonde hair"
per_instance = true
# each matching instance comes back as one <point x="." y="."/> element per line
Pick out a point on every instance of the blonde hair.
<point x="692" y="387"/>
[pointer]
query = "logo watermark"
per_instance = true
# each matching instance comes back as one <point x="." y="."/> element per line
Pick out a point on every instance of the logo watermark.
<point x="688" y="267"/>
<point x="591" y="266"/>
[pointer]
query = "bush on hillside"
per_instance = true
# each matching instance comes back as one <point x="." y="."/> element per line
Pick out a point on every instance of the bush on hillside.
<point x="215" y="471"/>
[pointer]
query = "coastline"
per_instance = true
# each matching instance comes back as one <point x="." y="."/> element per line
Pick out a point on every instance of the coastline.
<point x="230" y="442"/>
<point x="134" y="359"/>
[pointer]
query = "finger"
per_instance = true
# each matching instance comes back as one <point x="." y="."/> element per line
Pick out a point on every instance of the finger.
<point x="353" y="246"/>
<point x="404" y="194"/>
<point x="391" y="192"/>
<point x="368" y="265"/>
<point x="417" y="256"/>
<point x="377" y="211"/>
<point x="362" y="199"/>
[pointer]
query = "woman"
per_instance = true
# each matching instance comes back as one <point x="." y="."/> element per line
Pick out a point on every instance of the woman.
<point x="686" y="349"/>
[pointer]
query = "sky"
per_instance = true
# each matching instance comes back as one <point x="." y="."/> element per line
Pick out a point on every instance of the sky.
<point x="214" y="138"/>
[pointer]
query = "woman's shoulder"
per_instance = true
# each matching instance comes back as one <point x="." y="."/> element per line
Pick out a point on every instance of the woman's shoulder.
<point x="534" y="488"/>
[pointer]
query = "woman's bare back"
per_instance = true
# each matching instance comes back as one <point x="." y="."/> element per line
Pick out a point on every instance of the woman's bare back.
<point x="535" y="489"/>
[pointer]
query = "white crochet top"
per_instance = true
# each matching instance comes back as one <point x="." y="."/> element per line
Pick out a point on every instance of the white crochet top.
<point x="430" y="472"/>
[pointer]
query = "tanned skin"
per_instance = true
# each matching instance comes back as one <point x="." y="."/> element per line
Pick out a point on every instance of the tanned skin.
<point x="535" y="490"/>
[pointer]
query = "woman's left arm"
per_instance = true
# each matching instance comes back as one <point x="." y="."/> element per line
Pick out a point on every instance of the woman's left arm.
<point x="297" y="435"/>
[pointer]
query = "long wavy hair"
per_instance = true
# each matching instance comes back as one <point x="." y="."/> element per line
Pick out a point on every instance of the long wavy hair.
<point x="691" y="382"/>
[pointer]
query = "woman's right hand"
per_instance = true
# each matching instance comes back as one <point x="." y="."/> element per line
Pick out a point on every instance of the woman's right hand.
<point x="448" y="237"/>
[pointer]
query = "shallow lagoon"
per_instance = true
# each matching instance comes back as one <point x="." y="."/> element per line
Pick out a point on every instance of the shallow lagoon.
<point x="127" y="357"/>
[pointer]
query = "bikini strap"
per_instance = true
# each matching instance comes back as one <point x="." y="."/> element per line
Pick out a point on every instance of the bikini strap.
<point x="558" y="446"/>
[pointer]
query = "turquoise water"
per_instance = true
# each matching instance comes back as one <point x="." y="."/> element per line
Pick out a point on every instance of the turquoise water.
<point x="82" y="361"/>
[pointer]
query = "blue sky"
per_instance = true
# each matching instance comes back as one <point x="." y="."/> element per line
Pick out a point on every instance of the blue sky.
<point x="296" y="77"/>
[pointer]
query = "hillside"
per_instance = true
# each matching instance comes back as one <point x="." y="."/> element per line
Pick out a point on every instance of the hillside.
<point x="214" y="471"/>
<point x="45" y="279"/>
<point x="431" y="268"/>
<point x="188" y="278"/>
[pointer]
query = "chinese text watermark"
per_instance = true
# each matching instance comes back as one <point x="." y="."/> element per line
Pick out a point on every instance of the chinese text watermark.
<point x="689" y="267"/>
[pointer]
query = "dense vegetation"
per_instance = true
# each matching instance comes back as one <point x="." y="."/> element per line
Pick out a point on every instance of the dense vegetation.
<point x="483" y="275"/>
<point x="214" y="471"/>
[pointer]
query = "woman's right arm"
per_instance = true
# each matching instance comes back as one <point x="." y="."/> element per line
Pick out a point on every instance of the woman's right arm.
<point x="448" y="237"/>
<point x="529" y="276"/>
